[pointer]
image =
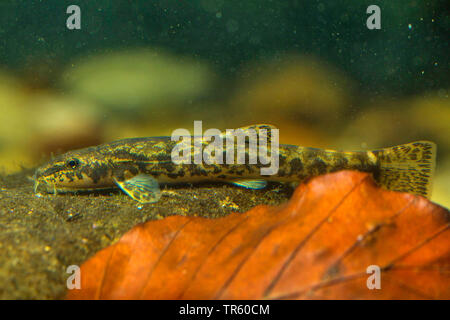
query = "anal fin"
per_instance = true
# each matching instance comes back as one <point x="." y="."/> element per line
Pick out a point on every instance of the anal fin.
<point x="251" y="184"/>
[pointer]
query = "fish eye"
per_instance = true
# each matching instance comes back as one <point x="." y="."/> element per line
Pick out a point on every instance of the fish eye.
<point x="73" y="163"/>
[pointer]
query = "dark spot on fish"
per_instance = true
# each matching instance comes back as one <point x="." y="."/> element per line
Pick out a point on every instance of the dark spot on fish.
<point x="376" y="173"/>
<point x="341" y="164"/>
<point x="142" y="166"/>
<point x="406" y="149"/>
<point x="296" y="165"/>
<point x="212" y="168"/>
<point x="176" y="174"/>
<point x="133" y="170"/>
<point x="282" y="160"/>
<point x="155" y="173"/>
<point x="196" y="170"/>
<point x="127" y="167"/>
<point x="363" y="160"/>
<point x="163" y="156"/>
<point x="96" y="171"/>
<point x="120" y="153"/>
<point x="54" y="169"/>
<point x="70" y="176"/>
<point x="320" y="166"/>
<point x="249" y="168"/>
<point x="231" y="171"/>
<point x="169" y="166"/>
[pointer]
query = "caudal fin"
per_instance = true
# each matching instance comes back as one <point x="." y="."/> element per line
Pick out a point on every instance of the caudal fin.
<point x="408" y="167"/>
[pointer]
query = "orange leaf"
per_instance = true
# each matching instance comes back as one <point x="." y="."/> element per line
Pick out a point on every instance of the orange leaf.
<point x="317" y="246"/>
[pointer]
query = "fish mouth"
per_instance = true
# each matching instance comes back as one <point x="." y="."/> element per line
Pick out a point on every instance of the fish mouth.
<point x="49" y="187"/>
<point x="53" y="189"/>
<point x="42" y="185"/>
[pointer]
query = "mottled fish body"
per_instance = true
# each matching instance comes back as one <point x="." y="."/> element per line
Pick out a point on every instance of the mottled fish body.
<point x="139" y="165"/>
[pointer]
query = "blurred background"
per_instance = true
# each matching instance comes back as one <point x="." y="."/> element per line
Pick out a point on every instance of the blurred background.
<point x="144" y="68"/>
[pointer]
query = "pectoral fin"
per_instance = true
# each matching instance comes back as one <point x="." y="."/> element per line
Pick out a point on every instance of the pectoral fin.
<point x="251" y="184"/>
<point x="142" y="188"/>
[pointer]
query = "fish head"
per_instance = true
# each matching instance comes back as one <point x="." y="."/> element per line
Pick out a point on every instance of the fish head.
<point x="72" y="171"/>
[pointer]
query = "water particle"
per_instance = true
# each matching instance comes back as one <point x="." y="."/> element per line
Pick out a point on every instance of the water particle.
<point x="232" y="26"/>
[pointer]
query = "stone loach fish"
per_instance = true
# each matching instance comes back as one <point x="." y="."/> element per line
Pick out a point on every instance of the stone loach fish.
<point x="139" y="165"/>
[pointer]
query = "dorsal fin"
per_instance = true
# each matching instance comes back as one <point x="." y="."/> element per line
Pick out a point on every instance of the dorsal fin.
<point x="263" y="131"/>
